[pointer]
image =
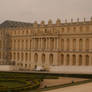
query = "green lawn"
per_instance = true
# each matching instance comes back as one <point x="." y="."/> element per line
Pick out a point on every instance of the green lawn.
<point x="11" y="84"/>
<point x="21" y="82"/>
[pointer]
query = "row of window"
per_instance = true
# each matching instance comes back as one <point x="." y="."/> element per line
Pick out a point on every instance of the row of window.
<point x="63" y="59"/>
<point x="52" y="44"/>
<point x="18" y="56"/>
<point x="74" y="29"/>
<point x="76" y="44"/>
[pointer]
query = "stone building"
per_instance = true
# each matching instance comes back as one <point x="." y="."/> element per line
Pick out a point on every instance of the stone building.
<point x="29" y="45"/>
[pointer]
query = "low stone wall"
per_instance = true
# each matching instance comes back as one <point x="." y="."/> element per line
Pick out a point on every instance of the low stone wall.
<point x="72" y="69"/>
<point x="6" y="67"/>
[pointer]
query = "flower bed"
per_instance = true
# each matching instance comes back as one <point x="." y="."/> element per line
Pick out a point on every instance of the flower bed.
<point x="15" y="84"/>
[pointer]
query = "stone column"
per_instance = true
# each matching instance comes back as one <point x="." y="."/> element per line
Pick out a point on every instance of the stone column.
<point x="47" y="61"/>
<point x="24" y="44"/>
<point x="83" y="60"/>
<point x="39" y="63"/>
<point x="54" y="58"/>
<point x="38" y="43"/>
<point x="32" y="61"/>
<point x="64" y="60"/>
<point x="70" y="60"/>
<point x="12" y="44"/>
<point x="28" y="47"/>
<point x="84" y="44"/>
<point x="15" y="43"/>
<point x="90" y="44"/>
<point x="77" y="60"/>
<point x="46" y="44"/>
<point x="49" y="47"/>
<point x="41" y="44"/>
<point x="71" y="45"/>
<point x="20" y="44"/>
<point x="57" y="44"/>
<point x="65" y="45"/>
<point x="54" y="43"/>
<point x="90" y="60"/>
<point x="77" y="44"/>
<point x="32" y="43"/>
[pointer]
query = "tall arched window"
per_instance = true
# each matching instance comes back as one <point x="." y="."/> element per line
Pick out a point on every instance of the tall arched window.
<point x="22" y="56"/>
<point x="26" y="56"/>
<point x="52" y="43"/>
<point x="51" y="59"/>
<point x="63" y="30"/>
<point x="80" y="44"/>
<point x="62" y="59"/>
<point x="87" y="44"/>
<point x="43" y="59"/>
<point x="87" y="60"/>
<point x="18" y="44"/>
<point x="80" y="59"/>
<point x="29" y="56"/>
<point x="74" y="60"/>
<point x="74" y="28"/>
<point x="36" y="58"/>
<point x="14" y="54"/>
<point x="18" y="56"/>
<point x="44" y="43"/>
<point x="67" y="61"/>
<point x="14" y="41"/>
<point x="26" y="44"/>
<point x="22" y="44"/>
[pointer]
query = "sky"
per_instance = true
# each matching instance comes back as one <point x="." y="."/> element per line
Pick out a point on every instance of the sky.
<point x="38" y="10"/>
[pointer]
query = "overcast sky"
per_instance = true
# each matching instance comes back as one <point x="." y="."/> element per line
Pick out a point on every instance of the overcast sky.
<point x="31" y="10"/>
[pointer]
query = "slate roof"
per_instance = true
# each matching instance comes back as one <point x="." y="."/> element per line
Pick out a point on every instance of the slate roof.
<point x="14" y="24"/>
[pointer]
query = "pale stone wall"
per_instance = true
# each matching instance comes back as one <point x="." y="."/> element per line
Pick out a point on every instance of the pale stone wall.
<point x="71" y="69"/>
<point x="6" y="68"/>
<point x="45" y="45"/>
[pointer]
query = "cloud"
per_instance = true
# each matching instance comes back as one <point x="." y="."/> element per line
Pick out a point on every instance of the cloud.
<point x="31" y="10"/>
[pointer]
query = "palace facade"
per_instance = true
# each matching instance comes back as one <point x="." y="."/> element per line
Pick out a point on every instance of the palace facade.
<point x="29" y="45"/>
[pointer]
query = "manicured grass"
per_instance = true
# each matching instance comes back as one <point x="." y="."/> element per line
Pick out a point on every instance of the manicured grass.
<point x="18" y="82"/>
<point x="11" y="84"/>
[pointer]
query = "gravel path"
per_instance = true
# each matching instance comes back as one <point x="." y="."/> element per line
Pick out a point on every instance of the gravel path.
<point x="80" y="88"/>
<point x="61" y="80"/>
